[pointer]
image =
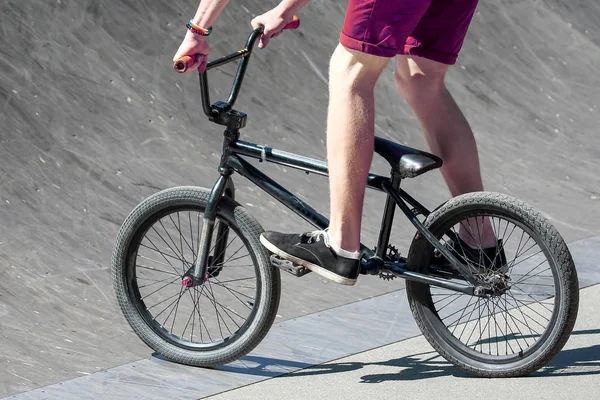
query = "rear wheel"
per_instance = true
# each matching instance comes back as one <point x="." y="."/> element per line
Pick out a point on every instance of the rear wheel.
<point x="215" y="322"/>
<point x="519" y="328"/>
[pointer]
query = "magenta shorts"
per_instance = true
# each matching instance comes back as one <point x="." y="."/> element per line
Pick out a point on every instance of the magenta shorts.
<point x="433" y="29"/>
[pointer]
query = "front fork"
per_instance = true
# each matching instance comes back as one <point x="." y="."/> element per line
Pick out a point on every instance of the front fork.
<point x="199" y="272"/>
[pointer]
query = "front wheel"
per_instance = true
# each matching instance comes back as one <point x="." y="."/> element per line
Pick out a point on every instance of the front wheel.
<point x="527" y="320"/>
<point x="215" y="322"/>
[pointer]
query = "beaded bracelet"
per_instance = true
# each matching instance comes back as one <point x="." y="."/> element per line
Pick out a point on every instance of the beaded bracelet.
<point x="198" y="30"/>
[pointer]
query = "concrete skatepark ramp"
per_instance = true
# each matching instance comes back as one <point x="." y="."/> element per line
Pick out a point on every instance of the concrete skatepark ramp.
<point x="94" y="120"/>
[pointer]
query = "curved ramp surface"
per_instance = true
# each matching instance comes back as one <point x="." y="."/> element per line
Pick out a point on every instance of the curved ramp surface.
<point x="94" y="119"/>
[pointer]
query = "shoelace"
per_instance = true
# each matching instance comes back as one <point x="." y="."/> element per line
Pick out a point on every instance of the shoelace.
<point x="317" y="235"/>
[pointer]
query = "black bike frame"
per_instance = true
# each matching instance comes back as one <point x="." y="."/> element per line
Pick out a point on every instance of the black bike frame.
<point x="232" y="161"/>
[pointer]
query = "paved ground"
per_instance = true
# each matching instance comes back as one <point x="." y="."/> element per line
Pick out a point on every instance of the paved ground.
<point x="294" y="347"/>
<point x="411" y="369"/>
<point x="94" y="120"/>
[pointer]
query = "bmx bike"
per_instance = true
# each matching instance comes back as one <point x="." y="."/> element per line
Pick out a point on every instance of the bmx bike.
<point x="196" y="285"/>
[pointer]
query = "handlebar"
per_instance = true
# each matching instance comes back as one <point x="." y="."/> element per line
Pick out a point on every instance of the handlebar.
<point x="184" y="62"/>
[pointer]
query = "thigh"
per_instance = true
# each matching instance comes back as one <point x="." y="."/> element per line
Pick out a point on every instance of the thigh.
<point x="381" y="27"/>
<point x="441" y="31"/>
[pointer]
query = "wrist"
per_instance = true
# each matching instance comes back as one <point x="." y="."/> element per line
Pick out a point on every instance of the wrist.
<point x="201" y="21"/>
<point x="192" y="36"/>
<point x="198" y="30"/>
<point x="286" y="10"/>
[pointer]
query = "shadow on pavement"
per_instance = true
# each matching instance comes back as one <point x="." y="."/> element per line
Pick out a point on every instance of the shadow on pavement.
<point x="413" y="367"/>
<point x="567" y="360"/>
<point x="263" y="366"/>
<point x="430" y="365"/>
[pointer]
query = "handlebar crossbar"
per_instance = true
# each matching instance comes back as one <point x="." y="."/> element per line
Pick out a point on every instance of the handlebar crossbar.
<point x="216" y="112"/>
<point x="244" y="53"/>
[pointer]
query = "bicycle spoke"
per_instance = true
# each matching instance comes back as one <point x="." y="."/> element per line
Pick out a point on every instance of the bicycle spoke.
<point x="178" y="256"/>
<point x="159" y="262"/>
<point x="477" y="324"/>
<point x="238" y="279"/>
<point x="478" y="305"/>
<point x="179" y="250"/>
<point x="233" y="291"/>
<point x="162" y="254"/>
<point x="175" y="316"/>
<point x="191" y="318"/>
<point x="216" y="311"/>
<point x="531" y="332"/>
<point x="525" y="259"/>
<point x="495" y="328"/>
<point x="196" y="307"/>
<point x="457" y="322"/>
<point x="461" y="315"/>
<point x="227" y="310"/>
<point x="532" y="276"/>
<point x="479" y="248"/>
<point x="525" y="251"/>
<point x="544" y="295"/>
<point x="235" y="259"/>
<point x="154" y="269"/>
<point x="181" y="237"/>
<point x="162" y="287"/>
<point x="154" y="282"/>
<point x="529" y="308"/>
<point x="519" y="247"/>
<point x="178" y="295"/>
<point x="513" y="333"/>
<point x="192" y="235"/>
<point x="503" y="334"/>
<point x="218" y="240"/>
<point x="447" y="304"/>
<point x="507" y="239"/>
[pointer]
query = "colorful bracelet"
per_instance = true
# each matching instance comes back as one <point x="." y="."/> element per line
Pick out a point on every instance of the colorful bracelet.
<point x="198" y="30"/>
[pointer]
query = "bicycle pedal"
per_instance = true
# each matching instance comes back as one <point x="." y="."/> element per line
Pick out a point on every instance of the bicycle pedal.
<point x="288" y="266"/>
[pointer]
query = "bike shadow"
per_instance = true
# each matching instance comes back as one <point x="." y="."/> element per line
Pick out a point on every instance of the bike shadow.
<point x="571" y="362"/>
<point x="414" y="367"/>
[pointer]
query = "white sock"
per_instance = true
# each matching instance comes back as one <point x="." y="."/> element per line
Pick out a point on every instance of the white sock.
<point x="353" y="255"/>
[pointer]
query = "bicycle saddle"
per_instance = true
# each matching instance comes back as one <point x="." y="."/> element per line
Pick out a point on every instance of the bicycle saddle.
<point x="405" y="160"/>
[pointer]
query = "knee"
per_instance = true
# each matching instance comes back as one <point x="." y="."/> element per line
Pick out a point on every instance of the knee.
<point x="418" y="86"/>
<point x="353" y="70"/>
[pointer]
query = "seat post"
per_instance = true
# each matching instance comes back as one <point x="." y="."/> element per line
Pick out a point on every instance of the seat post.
<point x="388" y="218"/>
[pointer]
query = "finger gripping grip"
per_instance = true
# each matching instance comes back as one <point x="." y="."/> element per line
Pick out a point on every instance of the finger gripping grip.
<point x="181" y="65"/>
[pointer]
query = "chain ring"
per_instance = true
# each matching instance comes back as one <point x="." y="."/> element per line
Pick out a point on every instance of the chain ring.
<point x="391" y="254"/>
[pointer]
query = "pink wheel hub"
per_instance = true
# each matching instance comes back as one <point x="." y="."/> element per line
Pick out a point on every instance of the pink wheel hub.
<point x="187" y="282"/>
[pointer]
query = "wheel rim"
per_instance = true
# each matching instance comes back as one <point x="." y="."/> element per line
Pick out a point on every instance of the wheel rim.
<point x="508" y="327"/>
<point x="206" y="317"/>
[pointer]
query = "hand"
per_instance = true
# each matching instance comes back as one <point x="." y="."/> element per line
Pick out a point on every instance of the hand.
<point x="273" y="22"/>
<point x="196" y="47"/>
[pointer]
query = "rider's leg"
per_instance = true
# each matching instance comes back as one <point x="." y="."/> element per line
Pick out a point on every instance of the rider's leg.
<point x="421" y="82"/>
<point x="350" y="134"/>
